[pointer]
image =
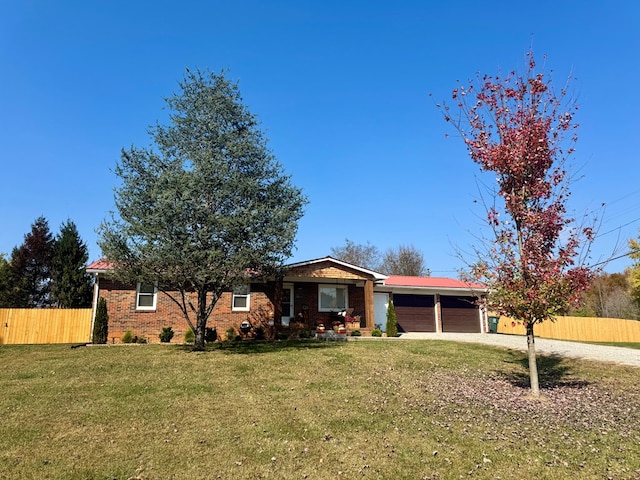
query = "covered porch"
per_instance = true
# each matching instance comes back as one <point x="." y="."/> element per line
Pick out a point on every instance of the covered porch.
<point x="325" y="292"/>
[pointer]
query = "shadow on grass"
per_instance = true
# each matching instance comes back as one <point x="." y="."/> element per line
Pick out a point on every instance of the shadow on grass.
<point x="247" y="347"/>
<point x="553" y="372"/>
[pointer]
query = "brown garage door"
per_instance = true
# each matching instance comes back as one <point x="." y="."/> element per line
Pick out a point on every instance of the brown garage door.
<point x="459" y="314"/>
<point x="415" y="313"/>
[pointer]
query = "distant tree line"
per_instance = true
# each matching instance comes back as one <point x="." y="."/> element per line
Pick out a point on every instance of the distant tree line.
<point x="402" y="260"/>
<point x="610" y="295"/>
<point x="46" y="271"/>
<point x="615" y="295"/>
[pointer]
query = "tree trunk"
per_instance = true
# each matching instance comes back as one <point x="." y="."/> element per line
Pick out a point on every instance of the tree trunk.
<point x="201" y="322"/>
<point x="533" y="365"/>
<point x="198" y="340"/>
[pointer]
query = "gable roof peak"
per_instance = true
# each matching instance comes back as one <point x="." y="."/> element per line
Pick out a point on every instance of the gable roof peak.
<point x="330" y="259"/>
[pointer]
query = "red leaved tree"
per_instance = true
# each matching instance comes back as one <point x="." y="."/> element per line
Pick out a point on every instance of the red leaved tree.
<point x="519" y="129"/>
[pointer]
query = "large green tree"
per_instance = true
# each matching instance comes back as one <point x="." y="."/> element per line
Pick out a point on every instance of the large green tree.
<point x="521" y="130"/>
<point x="5" y="283"/>
<point x="209" y="205"/>
<point x="71" y="286"/>
<point x="30" y="268"/>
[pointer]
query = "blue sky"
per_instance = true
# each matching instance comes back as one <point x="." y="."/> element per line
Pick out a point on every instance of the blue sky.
<point x="342" y="89"/>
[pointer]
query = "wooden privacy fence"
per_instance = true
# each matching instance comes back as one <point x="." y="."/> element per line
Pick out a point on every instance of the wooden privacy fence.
<point x="47" y="325"/>
<point x="584" y="329"/>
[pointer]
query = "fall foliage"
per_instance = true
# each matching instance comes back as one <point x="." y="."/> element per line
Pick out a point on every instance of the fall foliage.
<point x="521" y="130"/>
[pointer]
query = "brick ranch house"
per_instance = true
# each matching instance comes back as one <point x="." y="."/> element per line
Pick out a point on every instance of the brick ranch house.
<point x="311" y="292"/>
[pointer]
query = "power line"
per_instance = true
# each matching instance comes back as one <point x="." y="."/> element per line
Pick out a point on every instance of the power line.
<point x="619" y="227"/>
<point x="612" y="259"/>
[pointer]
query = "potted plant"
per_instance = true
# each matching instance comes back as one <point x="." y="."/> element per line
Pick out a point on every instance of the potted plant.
<point x="352" y="322"/>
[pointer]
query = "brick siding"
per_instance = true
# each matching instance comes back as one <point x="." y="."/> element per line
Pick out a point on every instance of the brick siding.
<point x="123" y="316"/>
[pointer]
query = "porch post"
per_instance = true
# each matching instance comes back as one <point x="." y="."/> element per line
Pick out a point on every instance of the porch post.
<point x="438" y="313"/>
<point x="368" y="305"/>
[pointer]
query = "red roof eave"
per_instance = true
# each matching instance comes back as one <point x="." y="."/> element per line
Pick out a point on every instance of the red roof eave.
<point x="100" y="266"/>
<point x="432" y="282"/>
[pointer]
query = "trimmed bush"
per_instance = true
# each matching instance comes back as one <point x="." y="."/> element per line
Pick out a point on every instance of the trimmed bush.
<point x="392" y="322"/>
<point x="210" y="335"/>
<point x="356" y="333"/>
<point x="101" y="323"/>
<point x="231" y="334"/>
<point x="127" y="337"/>
<point x="376" y="332"/>
<point x="189" y="336"/>
<point x="166" y="335"/>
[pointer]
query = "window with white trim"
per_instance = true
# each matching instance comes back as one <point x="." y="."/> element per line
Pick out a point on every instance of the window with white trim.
<point x="241" y="299"/>
<point x="332" y="298"/>
<point x="146" y="296"/>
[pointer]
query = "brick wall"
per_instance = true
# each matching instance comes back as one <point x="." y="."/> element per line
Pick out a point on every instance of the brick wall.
<point x="123" y="316"/>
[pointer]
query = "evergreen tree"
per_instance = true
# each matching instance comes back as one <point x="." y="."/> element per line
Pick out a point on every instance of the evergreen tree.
<point x="5" y="286"/>
<point x="30" y="268"/>
<point x="209" y="204"/>
<point x="101" y="323"/>
<point x="71" y="287"/>
<point x="392" y="321"/>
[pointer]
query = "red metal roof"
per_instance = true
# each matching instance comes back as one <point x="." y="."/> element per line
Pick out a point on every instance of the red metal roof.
<point x="431" y="282"/>
<point x="100" y="265"/>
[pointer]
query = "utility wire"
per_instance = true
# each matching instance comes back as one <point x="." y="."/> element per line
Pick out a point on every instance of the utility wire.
<point x="619" y="227"/>
<point x="612" y="259"/>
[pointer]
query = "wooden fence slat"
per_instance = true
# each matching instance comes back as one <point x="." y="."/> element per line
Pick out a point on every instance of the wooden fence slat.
<point x="47" y="325"/>
<point x="584" y="329"/>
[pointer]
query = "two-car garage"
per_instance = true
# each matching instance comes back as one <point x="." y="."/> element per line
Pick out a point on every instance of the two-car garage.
<point x="427" y="304"/>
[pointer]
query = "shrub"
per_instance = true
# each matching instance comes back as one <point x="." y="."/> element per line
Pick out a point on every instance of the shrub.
<point x="356" y="333"/>
<point x="231" y="333"/>
<point x="166" y="335"/>
<point x="304" y="333"/>
<point x="101" y="323"/>
<point x="139" y="339"/>
<point x="210" y="335"/>
<point x="376" y="332"/>
<point x="127" y="337"/>
<point x="392" y="321"/>
<point x="189" y="336"/>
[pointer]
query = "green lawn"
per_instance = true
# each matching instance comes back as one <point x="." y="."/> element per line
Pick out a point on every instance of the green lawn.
<point x="388" y="410"/>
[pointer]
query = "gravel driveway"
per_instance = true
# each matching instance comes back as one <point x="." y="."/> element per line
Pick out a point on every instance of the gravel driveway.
<point x="623" y="356"/>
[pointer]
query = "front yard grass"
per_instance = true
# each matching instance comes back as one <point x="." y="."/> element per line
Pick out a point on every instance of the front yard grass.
<point x="402" y="409"/>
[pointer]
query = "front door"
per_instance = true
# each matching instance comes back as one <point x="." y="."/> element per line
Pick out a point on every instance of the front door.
<point x="380" y="305"/>
<point x="287" y="304"/>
